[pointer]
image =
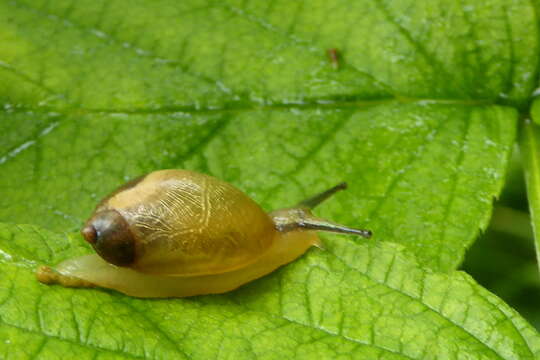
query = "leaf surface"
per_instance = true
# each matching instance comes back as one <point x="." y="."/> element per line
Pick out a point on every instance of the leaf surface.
<point x="419" y="116"/>
<point x="245" y="92"/>
<point x="421" y="175"/>
<point x="354" y="300"/>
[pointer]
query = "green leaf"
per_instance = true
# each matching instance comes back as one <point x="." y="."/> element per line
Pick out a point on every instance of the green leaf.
<point x="246" y="92"/>
<point x="413" y="169"/>
<point x="535" y="111"/>
<point x="530" y="150"/>
<point x="419" y="117"/>
<point x="357" y="300"/>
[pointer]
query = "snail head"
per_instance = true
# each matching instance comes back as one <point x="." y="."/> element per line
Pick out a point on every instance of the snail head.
<point x="110" y="236"/>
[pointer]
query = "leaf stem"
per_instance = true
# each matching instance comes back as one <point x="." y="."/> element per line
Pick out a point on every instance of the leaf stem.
<point x="529" y="144"/>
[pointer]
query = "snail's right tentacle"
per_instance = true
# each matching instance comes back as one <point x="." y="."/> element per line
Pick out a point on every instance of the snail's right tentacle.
<point x="313" y="201"/>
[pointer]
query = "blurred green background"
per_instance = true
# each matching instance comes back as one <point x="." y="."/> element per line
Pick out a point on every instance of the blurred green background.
<point x="503" y="258"/>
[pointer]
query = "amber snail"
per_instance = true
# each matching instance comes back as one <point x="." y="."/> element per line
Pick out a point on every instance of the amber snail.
<point x="176" y="233"/>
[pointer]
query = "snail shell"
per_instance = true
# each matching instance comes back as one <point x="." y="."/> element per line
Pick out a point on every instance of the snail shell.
<point x="178" y="222"/>
<point x="175" y="233"/>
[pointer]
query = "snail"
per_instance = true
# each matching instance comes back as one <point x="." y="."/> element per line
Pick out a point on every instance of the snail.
<point x="178" y="233"/>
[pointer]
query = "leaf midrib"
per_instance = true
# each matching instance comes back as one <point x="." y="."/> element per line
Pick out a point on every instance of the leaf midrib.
<point x="237" y="107"/>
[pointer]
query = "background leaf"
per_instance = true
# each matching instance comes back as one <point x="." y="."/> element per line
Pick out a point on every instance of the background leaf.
<point x="367" y="300"/>
<point x="530" y="149"/>
<point x="504" y="261"/>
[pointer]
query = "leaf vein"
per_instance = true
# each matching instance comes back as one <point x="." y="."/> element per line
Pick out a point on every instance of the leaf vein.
<point x="455" y="179"/>
<point x="154" y="325"/>
<point x="137" y="51"/>
<point x="414" y="156"/>
<point x="418" y="300"/>
<point x="309" y="45"/>
<point x="70" y="341"/>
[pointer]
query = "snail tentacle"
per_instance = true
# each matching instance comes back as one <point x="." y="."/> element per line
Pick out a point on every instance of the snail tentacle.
<point x="301" y="218"/>
<point x="315" y="200"/>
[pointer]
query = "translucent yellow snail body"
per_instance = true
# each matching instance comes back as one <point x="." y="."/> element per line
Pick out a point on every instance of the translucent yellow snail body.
<point x="176" y="233"/>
